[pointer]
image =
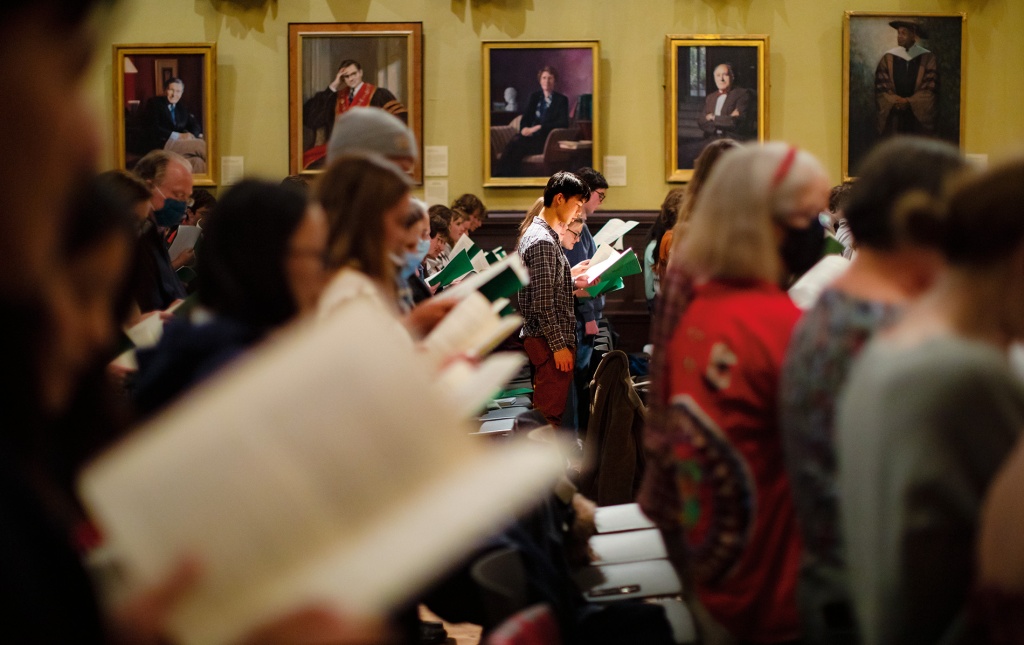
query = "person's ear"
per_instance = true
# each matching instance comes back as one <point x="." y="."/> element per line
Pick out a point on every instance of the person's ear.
<point x="558" y="200"/>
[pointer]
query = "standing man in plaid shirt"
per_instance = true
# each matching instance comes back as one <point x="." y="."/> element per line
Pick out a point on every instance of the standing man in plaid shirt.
<point x="546" y="304"/>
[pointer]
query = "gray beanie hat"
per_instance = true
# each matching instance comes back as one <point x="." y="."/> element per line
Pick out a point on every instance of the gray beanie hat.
<point x="369" y="129"/>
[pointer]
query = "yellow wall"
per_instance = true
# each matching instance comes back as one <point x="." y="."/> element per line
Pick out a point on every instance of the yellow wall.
<point x="805" y="66"/>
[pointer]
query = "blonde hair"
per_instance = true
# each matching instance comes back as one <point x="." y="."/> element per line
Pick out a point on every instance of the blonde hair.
<point x="702" y="167"/>
<point x="459" y="215"/>
<point x="730" y="232"/>
<point x="534" y="211"/>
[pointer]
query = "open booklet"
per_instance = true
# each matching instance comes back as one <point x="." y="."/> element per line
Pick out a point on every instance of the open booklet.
<point x="465" y="243"/>
<point x="479" y="259"/>
<point x="458" y="266"/>
<point x="503" y="279"/>
<point x="309" y="473"/>
<point x="607" y="269"/>
<point x="805" y="291"/>
<point x="495" y="255"/>
<point x="185" y="239"/>
<point x="612" y="232"/>
<point x="148" y="331"/>
<point x="472" y="328"/>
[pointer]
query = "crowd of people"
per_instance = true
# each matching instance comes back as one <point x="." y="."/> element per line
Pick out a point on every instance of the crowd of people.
<point x="844" y="474"/>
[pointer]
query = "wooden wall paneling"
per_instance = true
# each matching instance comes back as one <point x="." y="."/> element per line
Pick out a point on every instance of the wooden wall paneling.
<point x="625" y="309"/>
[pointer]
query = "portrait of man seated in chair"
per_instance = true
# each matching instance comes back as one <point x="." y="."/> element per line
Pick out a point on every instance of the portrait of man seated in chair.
<point x="171" y="126"/>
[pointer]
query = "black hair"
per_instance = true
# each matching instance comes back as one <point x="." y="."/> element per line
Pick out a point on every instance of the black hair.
<point x="592" y="178"/>
<point x="301" y="182"/>
<point x="891" y="170"/>
<point x="241" y="271"/>
<point x="172" y="80"/>
<point x="96" y="414"/>
<point x="348" y="61"/>
<point x="201" y="198"/>
<point x="566" y="184"/>
<point x="103" y="209"/>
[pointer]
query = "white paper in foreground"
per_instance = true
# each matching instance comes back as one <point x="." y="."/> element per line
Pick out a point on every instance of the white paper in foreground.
<point x="326" y="467"/>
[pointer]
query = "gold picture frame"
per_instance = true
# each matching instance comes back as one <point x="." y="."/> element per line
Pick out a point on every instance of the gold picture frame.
<point x="870" y="114"/>
<point x="143" y="120"/>
<point x="390" y="59"/>
<point x="567" y="133"/>
<point x="693" y="116"/>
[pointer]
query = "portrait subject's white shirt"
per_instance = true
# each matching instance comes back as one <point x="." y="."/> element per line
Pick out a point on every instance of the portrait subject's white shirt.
<point x="908" y="54"/>
<point x="719" y="104"/>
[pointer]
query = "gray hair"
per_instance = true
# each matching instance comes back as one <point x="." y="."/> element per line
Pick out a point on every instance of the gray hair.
<point x="153" y="166"/>
<point x="750" y="188"/>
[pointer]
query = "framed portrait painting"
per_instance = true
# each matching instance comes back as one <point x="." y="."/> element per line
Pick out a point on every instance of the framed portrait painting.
<point x="902" y="74"/>
<point x="716" y="88"/>
<point x="165" y="98"/>
<point x="337" y="66"/>
<point x="541" y="112"/>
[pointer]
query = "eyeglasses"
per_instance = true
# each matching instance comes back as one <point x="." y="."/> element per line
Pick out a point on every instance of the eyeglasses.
<point x="180" y="196"/>
<point x="576" y="234"/>
<point x="601" y="195"/>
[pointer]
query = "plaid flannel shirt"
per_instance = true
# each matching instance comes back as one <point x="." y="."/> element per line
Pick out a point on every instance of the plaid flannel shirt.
<point x="547" y="302"/>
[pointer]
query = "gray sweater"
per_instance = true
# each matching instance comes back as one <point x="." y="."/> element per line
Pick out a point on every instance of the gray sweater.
<point x="921" y="431"/>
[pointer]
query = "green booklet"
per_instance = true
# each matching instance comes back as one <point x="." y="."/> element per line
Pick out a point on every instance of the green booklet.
<point x="519" y="391"/>
<point x="832" y="245"/>
<point x="457" y="267"/>
<point x="500" y="280"/>
<point x="610" y="270"/>
<point x="602" y="288"/>
<point x="465" y="243"/>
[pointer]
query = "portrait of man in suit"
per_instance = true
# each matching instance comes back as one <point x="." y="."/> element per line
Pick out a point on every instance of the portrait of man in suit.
<point x="171" y="126"/>
<point x="729" y="112"/>
<point x="716" y="91"/>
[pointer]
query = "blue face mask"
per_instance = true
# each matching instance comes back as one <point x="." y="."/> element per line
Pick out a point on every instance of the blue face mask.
<point x="422" y="248"/>
<point x="172" y="213"/>
<point x="409" y="262"/>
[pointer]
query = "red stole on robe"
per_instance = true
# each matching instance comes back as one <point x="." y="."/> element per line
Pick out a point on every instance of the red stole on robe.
<point x="361" y="99"/>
